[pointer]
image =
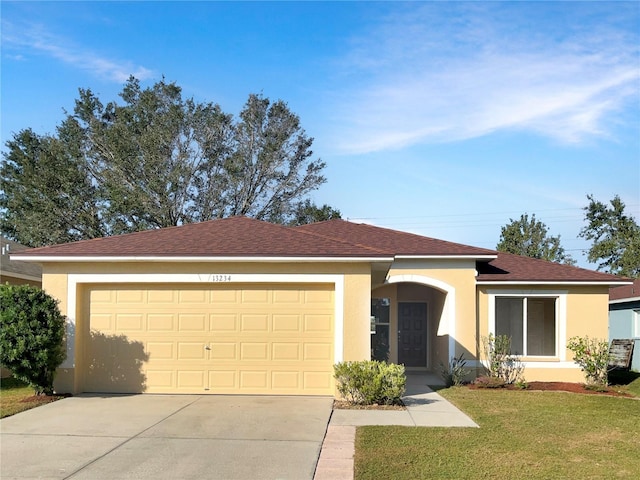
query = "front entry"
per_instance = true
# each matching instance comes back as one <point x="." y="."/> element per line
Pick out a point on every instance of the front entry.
<point x="412" y="334"/>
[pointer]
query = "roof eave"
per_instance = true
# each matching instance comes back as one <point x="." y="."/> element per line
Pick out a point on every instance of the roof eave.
<point x="548" y="282"/>
<point x="446" y="257"/>
<point x="192" y="259"/>
<point x="624" y="300"/>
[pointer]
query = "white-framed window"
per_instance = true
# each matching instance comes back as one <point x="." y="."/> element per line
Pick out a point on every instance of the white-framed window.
<point x="636" y="323"/>
<point x="535" y="321"/>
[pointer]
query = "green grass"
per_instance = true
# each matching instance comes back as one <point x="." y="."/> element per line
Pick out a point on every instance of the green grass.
<point x="522" y="434"/>
<point x="17" y="396"/>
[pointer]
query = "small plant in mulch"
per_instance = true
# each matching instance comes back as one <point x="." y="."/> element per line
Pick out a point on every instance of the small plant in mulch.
<point x="454" y="372"/>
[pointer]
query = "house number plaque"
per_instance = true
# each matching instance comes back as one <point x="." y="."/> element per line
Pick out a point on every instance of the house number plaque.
<point x="219" y="278"/>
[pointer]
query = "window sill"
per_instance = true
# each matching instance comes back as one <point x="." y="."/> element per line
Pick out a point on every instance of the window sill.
<point x="540" y="359"/>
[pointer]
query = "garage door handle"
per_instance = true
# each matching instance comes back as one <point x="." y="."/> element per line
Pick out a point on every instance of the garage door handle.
<point x="207" y="347"/>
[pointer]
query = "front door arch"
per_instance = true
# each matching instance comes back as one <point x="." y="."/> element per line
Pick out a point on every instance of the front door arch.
<point x="447" y="324"/>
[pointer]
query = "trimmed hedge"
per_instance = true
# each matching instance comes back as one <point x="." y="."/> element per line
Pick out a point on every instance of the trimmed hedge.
<point x="31" y="335"/>
<point x="370" y="382"/>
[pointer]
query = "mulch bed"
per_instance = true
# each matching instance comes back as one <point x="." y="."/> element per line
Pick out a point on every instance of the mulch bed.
<point x="563" y="387"/>
<point x="42" y="399"/>
<point x="342" y="405"/>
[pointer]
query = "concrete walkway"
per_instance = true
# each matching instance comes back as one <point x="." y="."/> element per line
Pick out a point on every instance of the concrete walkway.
<point x="425" y="408"/>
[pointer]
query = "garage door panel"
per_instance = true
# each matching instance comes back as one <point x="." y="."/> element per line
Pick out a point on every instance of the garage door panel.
<point x="223" y="381"/>
<point x="131" y="296"/>
<point x="254" y="351"/>
<point x="288" y="297"/>
<point x="160" y="351"/>
<point x="254" y="380"/>
<point x="161" y="322"/>
<point x="286" y="323"/>
<point x="255" y="323"/>
<point x="255" y="296"/>
<point x="318" y="323"/>
<point x="101" y="321"/>
<point x="160" y="380"/>
<point x="286" y="351"/>
<point x="215" y="339"/>
<point x="191" y="379"/>
<point x="191" y="351"/>
<point x="223" y="322"/>
<point x="223" y="351"/>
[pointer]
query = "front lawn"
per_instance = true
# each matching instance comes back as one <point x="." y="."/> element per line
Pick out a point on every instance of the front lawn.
<point x="17" y="396"/>
<point x="522" y="434"/>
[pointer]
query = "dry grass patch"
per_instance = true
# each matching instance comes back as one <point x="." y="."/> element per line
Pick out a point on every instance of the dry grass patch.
<point x="522" y="434"/>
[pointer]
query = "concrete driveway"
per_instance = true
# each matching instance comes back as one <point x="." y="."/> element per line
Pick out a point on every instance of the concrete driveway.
<point x="166" y="437"/>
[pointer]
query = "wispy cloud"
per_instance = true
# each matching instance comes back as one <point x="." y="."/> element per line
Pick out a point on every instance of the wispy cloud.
<point x="442" y="73"/>
<point x="22" y="41"/>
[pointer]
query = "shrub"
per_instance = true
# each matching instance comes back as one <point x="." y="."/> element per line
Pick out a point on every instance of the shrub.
<point x="31" y="335"/>
<point x="485" y="381"/>
<point x="454" y="372"/>
<point x="500" y="362"/>
<point x="592" y="356"/>
<point x="370" y="382"/>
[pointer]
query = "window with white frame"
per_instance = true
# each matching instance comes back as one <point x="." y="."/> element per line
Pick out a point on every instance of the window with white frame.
<point x="530" y="321"/>
<point x="636" y="323"/>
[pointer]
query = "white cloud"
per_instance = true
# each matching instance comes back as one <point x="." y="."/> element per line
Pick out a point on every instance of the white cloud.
<point x="429" y="77"/>
<point x="36" y="39"/>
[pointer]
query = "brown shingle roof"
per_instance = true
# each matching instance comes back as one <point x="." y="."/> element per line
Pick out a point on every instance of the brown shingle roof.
<point x="391" y="242"/>
<point x="625" y="291"/>
<point x="244" y="237"/>
<point x="514" y="268"/>
<point x="229" y="237"/>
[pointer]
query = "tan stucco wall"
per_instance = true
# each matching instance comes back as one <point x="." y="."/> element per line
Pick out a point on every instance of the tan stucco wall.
<point x="356" y="298"/>
<point x="586" y="315"/>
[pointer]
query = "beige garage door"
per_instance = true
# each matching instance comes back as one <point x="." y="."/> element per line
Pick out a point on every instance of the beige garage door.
<point x="223" y="338"/>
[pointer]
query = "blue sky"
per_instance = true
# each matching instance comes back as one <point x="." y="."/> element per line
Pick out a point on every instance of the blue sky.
<point x="445" y="119"/>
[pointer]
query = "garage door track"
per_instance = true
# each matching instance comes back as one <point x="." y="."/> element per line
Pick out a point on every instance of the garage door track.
<point x="166" y="437"/>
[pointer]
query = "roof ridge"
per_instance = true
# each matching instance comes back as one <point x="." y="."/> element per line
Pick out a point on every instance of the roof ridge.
<point x="336" y="239"/>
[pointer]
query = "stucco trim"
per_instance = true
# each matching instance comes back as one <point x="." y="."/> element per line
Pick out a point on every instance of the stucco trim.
<point x="73" y="280"/>
<point x="531" y="364"/>
<point x="447" y="327"/>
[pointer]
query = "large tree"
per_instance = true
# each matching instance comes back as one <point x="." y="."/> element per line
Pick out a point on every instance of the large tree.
<point x="308" y="212"/>
<point x="615" y="237"/>
<point x="529" y="237"/>
<point x="154" y="160"/>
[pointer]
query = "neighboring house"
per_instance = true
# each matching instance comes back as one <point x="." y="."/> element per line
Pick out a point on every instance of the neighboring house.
<point x="243" y="306"/>
<point x="624" y="317"/>
<point x="16" y="272"/>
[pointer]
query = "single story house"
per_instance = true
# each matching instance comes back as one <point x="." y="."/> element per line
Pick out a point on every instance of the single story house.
<point x="624" y="317"/>
<point x="15" y="272"/>
<point x="238" y="305"/>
